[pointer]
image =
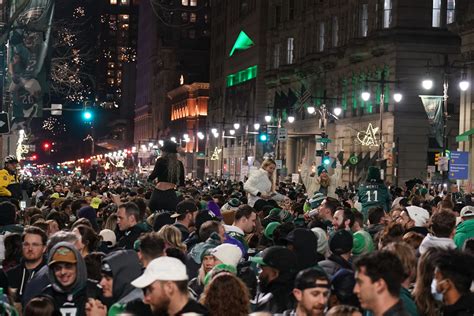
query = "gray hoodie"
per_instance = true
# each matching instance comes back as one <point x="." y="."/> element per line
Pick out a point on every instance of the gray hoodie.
<point x="125" y="268"/>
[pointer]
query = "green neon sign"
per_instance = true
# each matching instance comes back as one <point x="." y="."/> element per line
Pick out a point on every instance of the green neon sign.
<point x="242" y="42"/>
<point x="242" y="76"/>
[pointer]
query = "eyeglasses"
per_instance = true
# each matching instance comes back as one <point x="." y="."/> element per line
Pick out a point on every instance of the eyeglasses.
<point x="32" y="245"/>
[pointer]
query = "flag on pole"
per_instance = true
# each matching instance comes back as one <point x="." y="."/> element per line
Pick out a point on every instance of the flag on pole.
<point x="433" y="105"/>
<point x="304" y="98"/>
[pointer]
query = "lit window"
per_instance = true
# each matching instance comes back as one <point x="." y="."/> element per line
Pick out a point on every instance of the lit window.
<point x="321" y="36"/>
<point x="206" y="18"/>
<point x="290" y="49"/>
<point x="124" y="2"/>
<point x="335" y="31"/>
<point x="113" y="1"/>
<point x="124" y="17"/>
<point x="193" y="3"/>
<point x="185" y="2"/>
<point x="192" y="18"/>
<point x="387" y="13"/>
<point x="450" y="14"/>
<point x="276" y="55"/>
<point x="364" y="20"/>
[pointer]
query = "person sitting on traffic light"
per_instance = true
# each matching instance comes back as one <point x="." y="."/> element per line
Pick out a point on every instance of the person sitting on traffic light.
<point x="9" y="185"/>
<point x="323" y="182"/>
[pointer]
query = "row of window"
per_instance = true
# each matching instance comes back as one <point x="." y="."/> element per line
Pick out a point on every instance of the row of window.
<point x="191" y="3"/>
<point x="121" y="2"/>
<point x="363" y="29"/>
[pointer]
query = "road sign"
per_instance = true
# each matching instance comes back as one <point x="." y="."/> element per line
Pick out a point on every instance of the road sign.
<point x="282" y="134"/>
<point x="443" y="164"/>
<point x="4" y="123"/>
<point x="279" y="164"/>
<point x="324" y="140"/>
<point x="56" y="109"/>
<point x="459" y="165"/>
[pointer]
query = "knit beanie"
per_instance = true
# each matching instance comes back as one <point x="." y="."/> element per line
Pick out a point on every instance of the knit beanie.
<point x="270" y="229"/>
<point x="316" y="200"/>
<point x="321" y="169"/>
<point x="323" y="244"/>
<point x="341" y="242"/>
<point x="362" y="243"/>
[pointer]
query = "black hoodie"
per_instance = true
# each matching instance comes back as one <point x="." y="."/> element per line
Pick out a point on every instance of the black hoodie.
<point x="19" y="276"/>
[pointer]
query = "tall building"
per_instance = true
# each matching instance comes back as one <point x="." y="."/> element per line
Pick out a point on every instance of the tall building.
<point x="237" y="88"/>
<point x="333" y="51"/>
<point x="173" y="49"/>
<point x="117" y="47"/>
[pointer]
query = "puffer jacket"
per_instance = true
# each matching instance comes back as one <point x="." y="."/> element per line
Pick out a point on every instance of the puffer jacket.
<point x="259" y="182"/>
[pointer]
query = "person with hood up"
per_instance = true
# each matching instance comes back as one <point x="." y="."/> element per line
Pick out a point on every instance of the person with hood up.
<point x="119" y="269"/>
<point x="303" y="243"/>
<point x="374" y="192"/>
<point x="69" y="287"/>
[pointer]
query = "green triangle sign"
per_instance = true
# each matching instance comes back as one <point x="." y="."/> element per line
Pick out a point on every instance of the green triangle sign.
<point x="243" y="42"/>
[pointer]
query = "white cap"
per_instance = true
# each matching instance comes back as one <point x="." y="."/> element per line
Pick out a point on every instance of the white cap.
<point x="419" y="215"/>
<point x="108" y="236"/>
<point x="162" y="269"/>
<point x="228" y="254"/>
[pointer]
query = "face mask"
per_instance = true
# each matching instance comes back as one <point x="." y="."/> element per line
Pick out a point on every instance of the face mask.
<point x="436" y="295"/>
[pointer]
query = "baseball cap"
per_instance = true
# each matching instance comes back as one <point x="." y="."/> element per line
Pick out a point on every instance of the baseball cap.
<point x="467" y="211"/>
<point x="63" y="254"/>
<point x="184" y="207"/>
<point x="162" y="269"/>
<point x="228" y="254"/>
<point x="108" y="236"/>
<point x="419" y="215"/>
<point x="278" y="257"/>
<point x="341" y="242"/>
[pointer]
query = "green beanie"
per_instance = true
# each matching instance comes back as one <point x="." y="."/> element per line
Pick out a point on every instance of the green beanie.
<point x="362" y="243"/>
<point x="270" y="229"/>
<point x="321" y="169"/>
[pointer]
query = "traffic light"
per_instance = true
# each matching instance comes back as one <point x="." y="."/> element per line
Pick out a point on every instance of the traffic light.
<point x="87" y="115"/>
<point x="46" y="146"/>
<point x="263" y="134"/>
<point x="326" y="159"/>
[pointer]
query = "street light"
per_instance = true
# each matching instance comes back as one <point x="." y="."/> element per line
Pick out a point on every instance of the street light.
<point x="311" y="109"/>
<point x="232" y="132"/>
<point x="337" y="111"/>
<point x="214" y="130"/>
<point x="200" y="135"/>
<point x="161" y="142"/>
<point x="291" y="119"/>
<point x="463" y="84"/>
<point x="236" y="125"/>
<point x="268" y="118"/>
<point x="366" y="93"/>
<point x="256" y="126"/>
<point x="173" y="139"/>
<point x="427" y="84"/>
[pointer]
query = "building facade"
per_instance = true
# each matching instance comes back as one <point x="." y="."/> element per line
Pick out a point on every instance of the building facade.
<point x="237" y="87"/>
<point x="173" y="49"/>
<point x="188" y="107"/>
<point x="333" y="51"/>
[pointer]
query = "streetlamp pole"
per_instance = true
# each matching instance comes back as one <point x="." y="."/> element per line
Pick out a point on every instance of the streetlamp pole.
<point x="445" y="118"/>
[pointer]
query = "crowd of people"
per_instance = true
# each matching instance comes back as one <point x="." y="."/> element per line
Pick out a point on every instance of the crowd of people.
<point x="164" y="245"/>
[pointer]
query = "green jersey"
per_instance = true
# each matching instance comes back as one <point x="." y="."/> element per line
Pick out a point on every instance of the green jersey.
<point x="374" y="194"/>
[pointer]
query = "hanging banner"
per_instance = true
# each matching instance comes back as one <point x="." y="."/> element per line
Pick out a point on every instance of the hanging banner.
<point x="434" y="109"/>
<point x="28" y="56"/>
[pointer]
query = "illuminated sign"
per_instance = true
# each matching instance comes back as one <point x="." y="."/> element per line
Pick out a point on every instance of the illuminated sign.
<point x="369" y="137"/>
<point x="215" y="154"/>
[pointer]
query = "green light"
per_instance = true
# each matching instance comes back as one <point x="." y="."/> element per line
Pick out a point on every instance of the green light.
<point x="243" y="42"/>
<point x="87" y="115"/>
<point x="242" y="76"/>
<point x="326" y="161"/>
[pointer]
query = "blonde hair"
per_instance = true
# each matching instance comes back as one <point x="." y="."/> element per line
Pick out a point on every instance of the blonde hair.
<point x="267" y="162"/>
<point x="172" y="237"/>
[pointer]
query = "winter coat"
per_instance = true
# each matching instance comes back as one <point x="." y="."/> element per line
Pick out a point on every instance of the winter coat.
<point x="464" y="231"/>
<point x="259" y="182"/>
<point x="312" y="184"/>
<point x="431" y="241"/>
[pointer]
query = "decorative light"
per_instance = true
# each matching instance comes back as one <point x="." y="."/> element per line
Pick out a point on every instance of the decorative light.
<point x="236" y="125"/>
<point x="311" y="109"/>
<point x="256" y="126"/>
<point x="214" y="130"/>
<point x="232" y="132"/>
<point x="337" y="111"/>
<point x="291" y="119"/>
<point x="268" y="118"/>
<point x="397" y="97"/>
<point x="427" y="84"/>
